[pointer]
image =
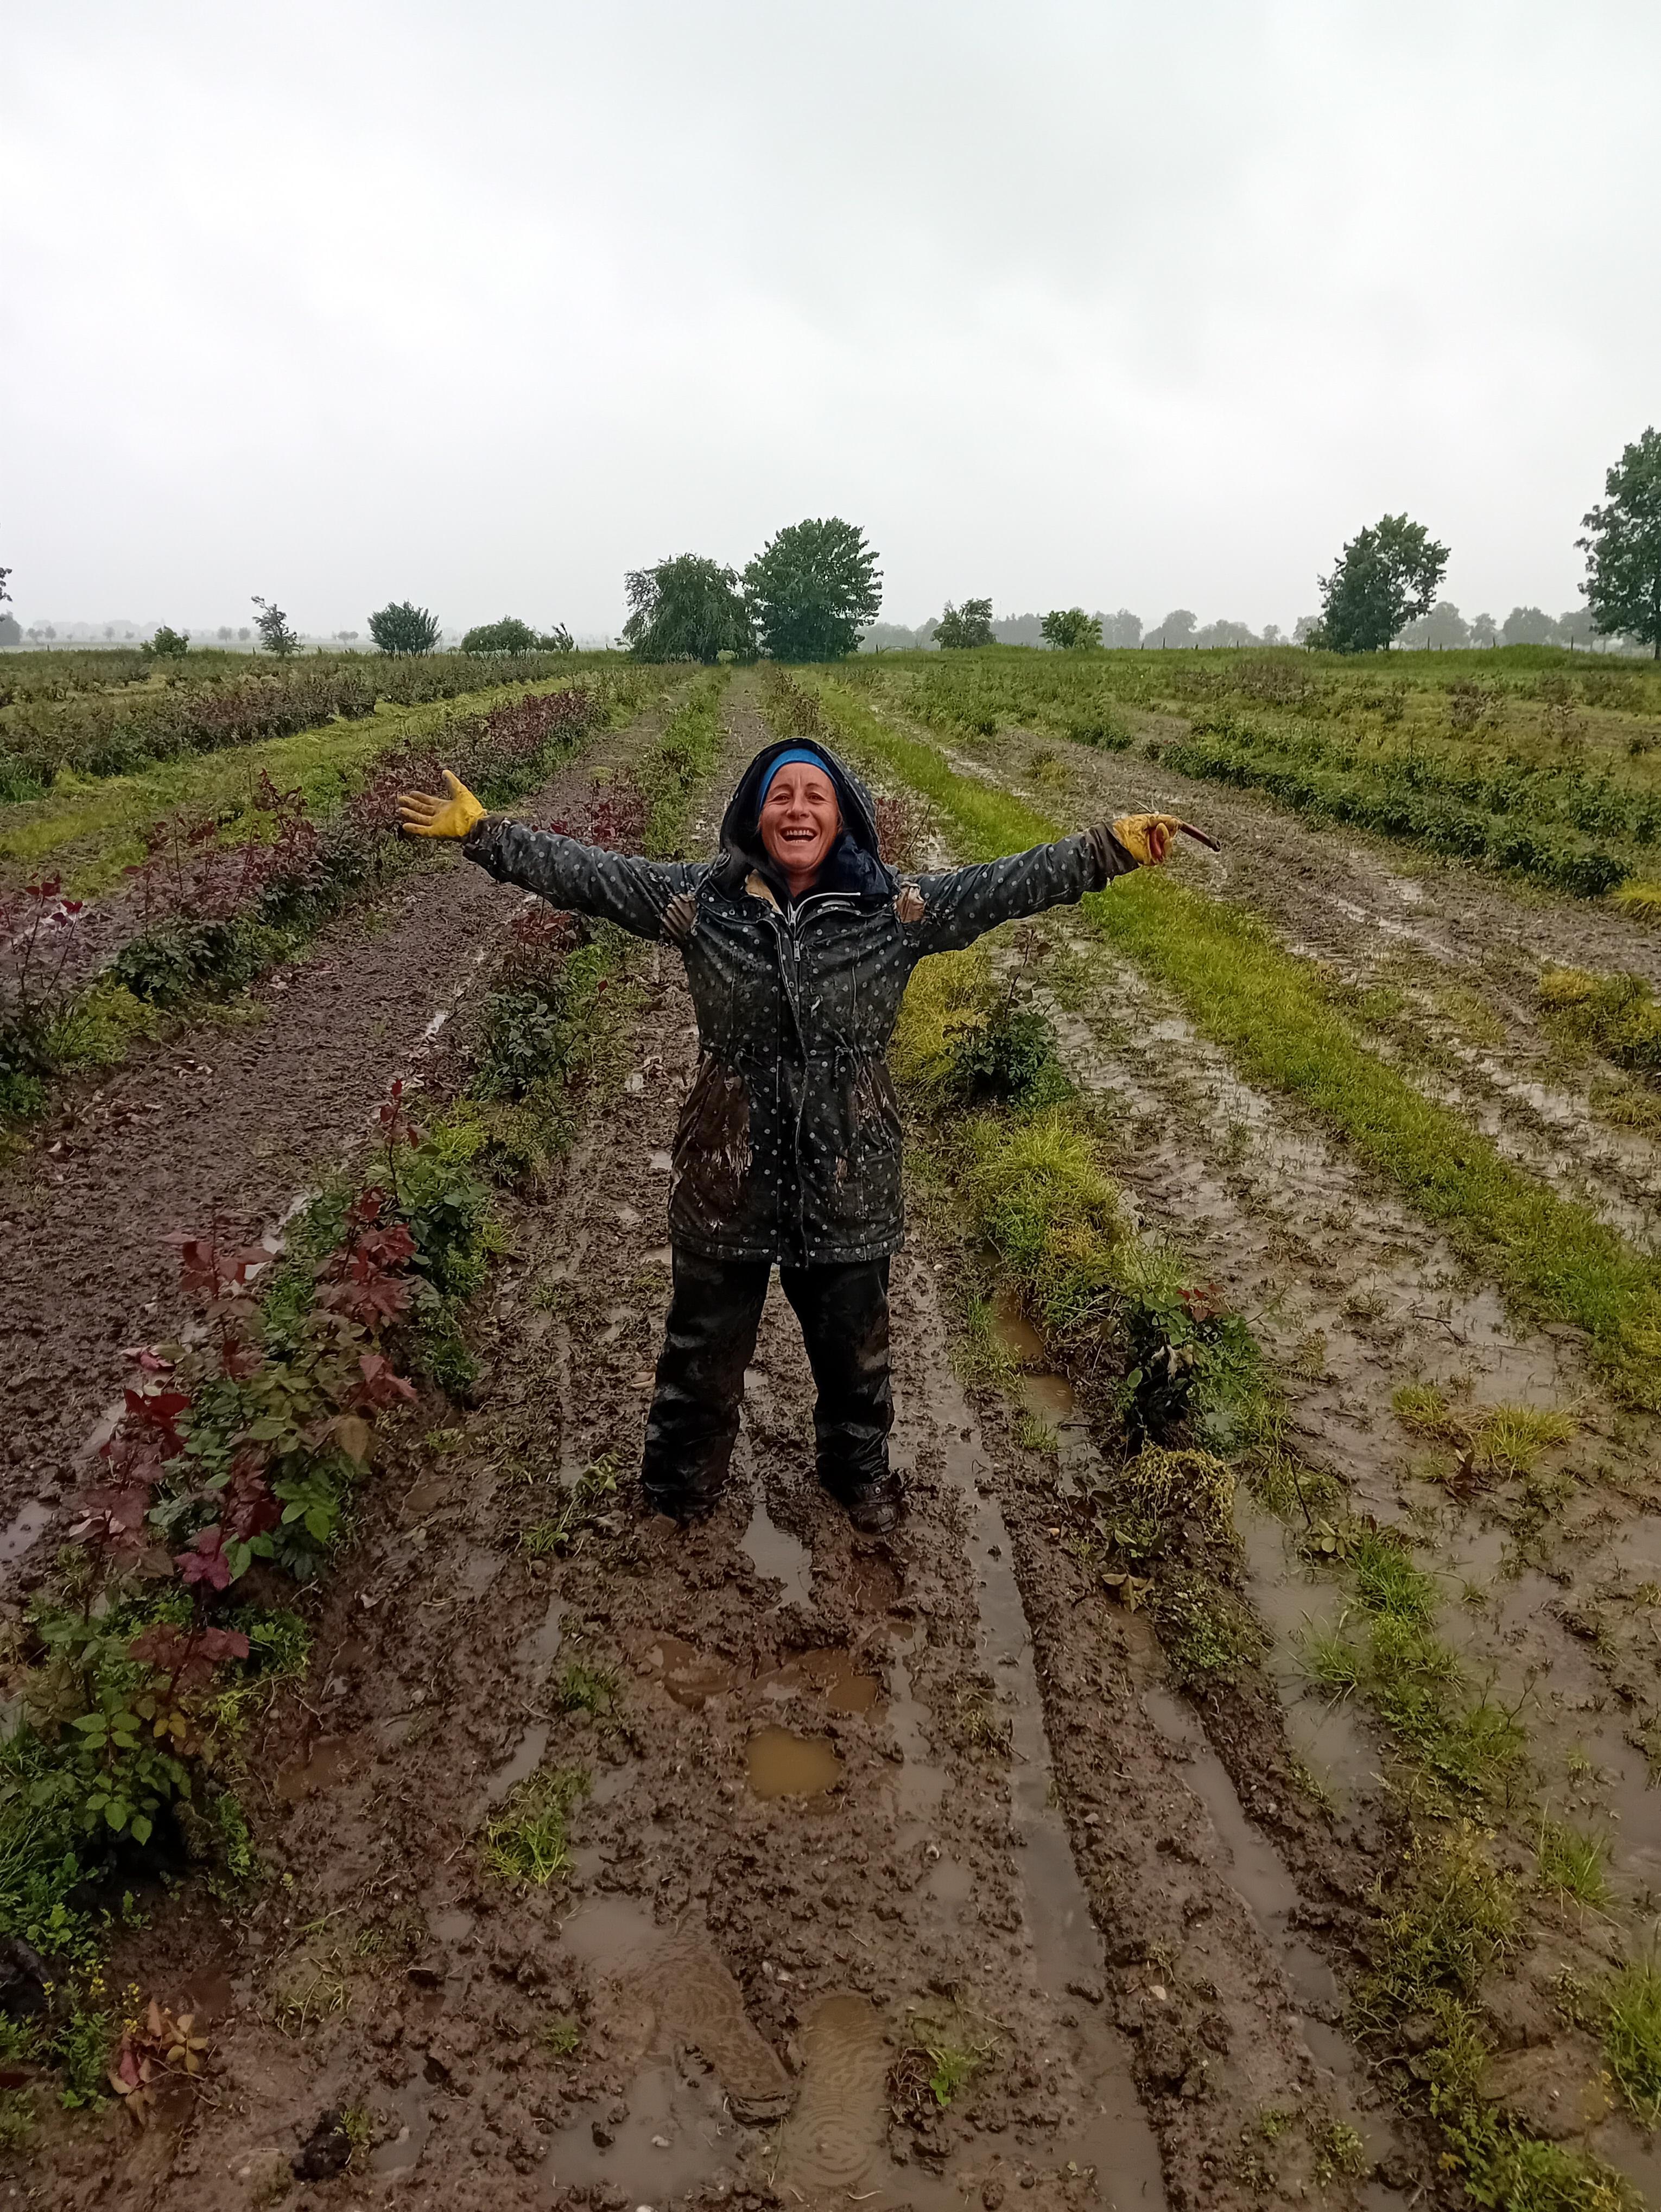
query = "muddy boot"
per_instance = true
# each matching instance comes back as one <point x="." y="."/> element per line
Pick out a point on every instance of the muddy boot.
<point x="707" y="1344"/>
<point x="687" y="1505"/>
<point x="873" y="1507"/>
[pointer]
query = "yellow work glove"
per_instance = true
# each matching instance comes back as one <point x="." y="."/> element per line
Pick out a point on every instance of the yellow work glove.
<point x="1148" y="836"/>
<point x="424" y="815"/>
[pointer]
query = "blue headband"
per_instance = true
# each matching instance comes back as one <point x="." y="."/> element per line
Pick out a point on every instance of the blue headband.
<point x="802" y="753"/>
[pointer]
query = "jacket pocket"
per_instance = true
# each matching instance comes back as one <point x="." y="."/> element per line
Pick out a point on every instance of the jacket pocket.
<point x="865" y="1185"/>
<point x="712" y="1156"/>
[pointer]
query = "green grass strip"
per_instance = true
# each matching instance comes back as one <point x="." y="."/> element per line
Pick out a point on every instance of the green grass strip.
<point x="669" y="771"/>
<point x="1553" y="1259"/>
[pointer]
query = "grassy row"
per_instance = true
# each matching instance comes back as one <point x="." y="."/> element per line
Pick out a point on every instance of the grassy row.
<point x="686" y="753"/>
<point x="1465" y="704"/>
<point x="1530" y="775"/>
<point x="1553" y="1259"/>
<point x="219" y="913"/>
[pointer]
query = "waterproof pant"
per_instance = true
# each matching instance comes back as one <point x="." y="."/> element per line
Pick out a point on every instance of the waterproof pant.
<point x="714" y="1316"/>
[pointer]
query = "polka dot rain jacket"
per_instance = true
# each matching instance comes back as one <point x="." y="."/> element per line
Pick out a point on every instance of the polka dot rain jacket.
<point x="788" y="1148"/>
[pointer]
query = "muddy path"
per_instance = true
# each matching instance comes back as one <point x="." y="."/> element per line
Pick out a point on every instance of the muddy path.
<point x="231" y="1120"/>
<point x="1353" y="1298"/>
<point x="895" y="1872"/>
<point x="1548" y="1579"/>
<point x="1452" y="958"/>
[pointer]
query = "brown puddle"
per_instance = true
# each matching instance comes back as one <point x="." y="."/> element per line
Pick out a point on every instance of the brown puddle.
<point x="1328" y="1734"/>
<point x="329" y="1760"/>
<point x="1047" y="1397"/>
<point x="665" y="1994"/>
<point x="780" y="1763"/>
<point x="836" y="2139"/>
<point x="690" y="1676"/>
<point x="835" y="1675"/>
<point x="421" y="1498"/>
<point x="777" y="1557"/>
<point x="20" y="1533"/>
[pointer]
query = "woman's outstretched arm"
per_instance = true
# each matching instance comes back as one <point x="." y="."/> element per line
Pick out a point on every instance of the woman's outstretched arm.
<point x="616" y="887"/>
<point x="963" y="903"/>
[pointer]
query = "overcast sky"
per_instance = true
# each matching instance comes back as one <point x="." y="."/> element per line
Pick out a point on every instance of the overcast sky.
<point x="1064" y="301"/>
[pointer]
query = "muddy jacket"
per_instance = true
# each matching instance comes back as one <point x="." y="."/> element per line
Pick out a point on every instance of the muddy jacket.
<point x="788" y="1148"/>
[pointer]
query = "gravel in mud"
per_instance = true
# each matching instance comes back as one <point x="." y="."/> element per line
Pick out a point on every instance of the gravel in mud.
<point x="229" y="1120"/>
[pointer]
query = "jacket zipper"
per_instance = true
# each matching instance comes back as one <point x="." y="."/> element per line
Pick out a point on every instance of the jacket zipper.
<point x="792" y="922"/>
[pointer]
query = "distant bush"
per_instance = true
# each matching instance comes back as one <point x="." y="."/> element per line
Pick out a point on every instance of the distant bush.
<point x="403" y="627"/>
<point x="168" y="644"/>
<point x="961" y="629"/>
<point x="508" y="635"/>
<point x="1070" y="630"/>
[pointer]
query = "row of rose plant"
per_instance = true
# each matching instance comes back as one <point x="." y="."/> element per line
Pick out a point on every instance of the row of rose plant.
<point x="105" y="733"/>
<point x="207" y="910"/>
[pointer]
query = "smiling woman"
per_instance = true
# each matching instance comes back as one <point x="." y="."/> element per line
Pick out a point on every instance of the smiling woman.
<point x="800" y="820"/>
<point x="799" y="941"/>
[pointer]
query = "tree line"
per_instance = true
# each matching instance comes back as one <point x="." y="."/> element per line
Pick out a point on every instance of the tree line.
<point x="813" y="593"/>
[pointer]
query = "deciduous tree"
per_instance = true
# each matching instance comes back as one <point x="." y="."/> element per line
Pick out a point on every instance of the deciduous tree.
<point x="275" y="633"/>
<point x="960" y="630"/>
<point x="1176" y="628"/>
<point x="1070" y="630"/>
<point x="401" y="627"/>
<point x="811" y="587"/>
<point x="166" y="644"/>
<point x="686" y="608"/>
<point x="1622" y="546"/>
<point x="1387" y="574"/>
<point x="1529" y="626"/>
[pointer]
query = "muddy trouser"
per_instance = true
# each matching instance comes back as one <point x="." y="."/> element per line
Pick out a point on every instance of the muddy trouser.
<point x="714" y="1317"/>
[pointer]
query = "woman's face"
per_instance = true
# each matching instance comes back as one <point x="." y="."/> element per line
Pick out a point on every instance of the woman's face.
<point x="799" y="822"/>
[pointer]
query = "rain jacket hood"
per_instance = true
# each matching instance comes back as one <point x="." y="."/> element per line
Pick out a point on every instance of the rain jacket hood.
<point x="855" y="863"/>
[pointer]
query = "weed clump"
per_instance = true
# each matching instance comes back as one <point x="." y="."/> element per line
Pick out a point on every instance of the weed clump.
<point x="1491" y="1441"/>
<point x="1572" y="1863"/>
<point x="527" y="1842"/>
<point x="585" y="1503"/>
<point x="1616" y="1015"/>
<point x="1632" y="2039"/>
<point x="936" y="2064"/>
<point x="562" y="2036"/>
<point x="1457" y="1920"/>
<point x="585" y="1689"/>
<point x="1163" y="1534"/>
<point x="1392" y="1657"/>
